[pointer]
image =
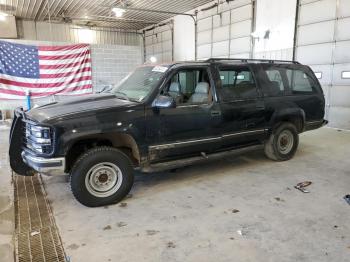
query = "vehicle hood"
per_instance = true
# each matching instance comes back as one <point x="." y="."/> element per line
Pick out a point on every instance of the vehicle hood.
<point x="74" y="106"/>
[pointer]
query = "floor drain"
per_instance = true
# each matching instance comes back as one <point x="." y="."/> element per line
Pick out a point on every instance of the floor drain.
<point x="37" y="237"/>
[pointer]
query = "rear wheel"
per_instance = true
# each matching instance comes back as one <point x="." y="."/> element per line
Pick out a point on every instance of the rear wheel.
<point x="283" y="142"/>
<point x="101" y="176"/>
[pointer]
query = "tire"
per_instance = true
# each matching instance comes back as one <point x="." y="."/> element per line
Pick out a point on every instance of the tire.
<point x="101" y="176"/>
<point x="283" y="142"/>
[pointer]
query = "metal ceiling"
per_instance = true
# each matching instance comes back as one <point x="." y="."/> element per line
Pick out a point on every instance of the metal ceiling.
<point x="99" y="12"/>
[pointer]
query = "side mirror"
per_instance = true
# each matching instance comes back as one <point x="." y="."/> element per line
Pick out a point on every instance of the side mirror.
<point x="164" y="102"/>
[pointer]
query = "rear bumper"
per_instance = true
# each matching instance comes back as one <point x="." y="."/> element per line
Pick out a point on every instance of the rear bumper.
<point x="47" y="166"/>
<point x="310" y="125"/>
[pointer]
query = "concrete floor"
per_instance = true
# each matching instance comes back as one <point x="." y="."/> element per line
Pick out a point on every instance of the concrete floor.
<point x="6" y="199"/>
<point x="192" y="215"/>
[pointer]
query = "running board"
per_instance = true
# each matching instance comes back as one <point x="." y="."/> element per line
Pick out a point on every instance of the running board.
<point x="157" y="167"/>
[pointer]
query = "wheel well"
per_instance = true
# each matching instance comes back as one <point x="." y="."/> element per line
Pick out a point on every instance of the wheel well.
<point x="295" y="120"/>
<point x="123" y="142"/>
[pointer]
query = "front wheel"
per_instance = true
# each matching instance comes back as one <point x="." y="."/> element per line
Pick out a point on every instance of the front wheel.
<point x="101" y="176"/>
<point x="283" y="142"/>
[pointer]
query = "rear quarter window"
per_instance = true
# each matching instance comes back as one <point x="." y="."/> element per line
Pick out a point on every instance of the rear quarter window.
<point x="301" y="82"/>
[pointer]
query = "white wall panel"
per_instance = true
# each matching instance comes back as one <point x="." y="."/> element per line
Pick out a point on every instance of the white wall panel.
<point x="340" y="96"/>
<point x="240" y="55"/>
<point x="221" y="33"/>
<point x="242" y="13"/>
<point x="330" y="26"/>
<point x="315" y="54"/>
<point x="240" y="45"/>
<point x="311" y="33"/>
<point x="220" y="48"/>
<point x="344" y="8"/>
<point x="317" y="11"/>
<point x="337" y="77"/>
<point x="226" y="31"/>
<point x="204" y="37"/>
<point x="241" y="29"/>
<point x="204" y="24"/>
<point x="343" y="29"/>
<point x="326" y="71"/>
<point x="339" y="117"/>
<point x="204" y="51"/>
<point x="342" y="52"/>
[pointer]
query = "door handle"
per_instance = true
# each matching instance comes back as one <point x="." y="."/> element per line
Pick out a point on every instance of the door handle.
<point x="215" y="113"/>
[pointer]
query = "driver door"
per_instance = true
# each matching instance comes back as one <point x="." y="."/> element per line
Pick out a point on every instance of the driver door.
<point x="189" y="128"/>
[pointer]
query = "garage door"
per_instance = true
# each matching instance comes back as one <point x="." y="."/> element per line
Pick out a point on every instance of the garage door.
<point x="159" y="43"/>
<point x="323" y="42"/>
<point x="224" y="30"/>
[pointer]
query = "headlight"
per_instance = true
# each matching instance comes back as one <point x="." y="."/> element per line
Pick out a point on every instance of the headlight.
<point x="38" y="138"/>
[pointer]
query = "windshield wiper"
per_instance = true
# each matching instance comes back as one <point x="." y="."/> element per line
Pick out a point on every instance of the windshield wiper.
<point x="122" y="95"/>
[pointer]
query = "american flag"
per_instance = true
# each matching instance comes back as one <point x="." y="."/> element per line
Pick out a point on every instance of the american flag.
<point x="44" y="70"/>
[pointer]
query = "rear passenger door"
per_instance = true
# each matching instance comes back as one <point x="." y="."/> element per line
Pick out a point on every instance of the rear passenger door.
<point x="241" y="104"/>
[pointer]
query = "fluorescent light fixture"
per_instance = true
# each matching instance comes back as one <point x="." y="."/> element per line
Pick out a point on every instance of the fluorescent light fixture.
<point x="118" y="11"/>
<point x="318" y="75"/>
<point x="153" y="59"/>
<point x="345" y="74"/>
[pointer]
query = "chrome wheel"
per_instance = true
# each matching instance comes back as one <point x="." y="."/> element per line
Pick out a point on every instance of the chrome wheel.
<point x="103" y="179"/>
<point x="285" y="141"/>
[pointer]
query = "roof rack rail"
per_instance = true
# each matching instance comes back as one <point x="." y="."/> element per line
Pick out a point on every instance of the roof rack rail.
<point x="247" y="60"/>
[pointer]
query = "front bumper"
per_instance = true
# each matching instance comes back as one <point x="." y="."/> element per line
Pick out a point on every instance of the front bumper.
<point x="47" y="166"/>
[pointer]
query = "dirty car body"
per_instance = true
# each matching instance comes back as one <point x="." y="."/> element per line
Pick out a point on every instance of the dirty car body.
<point x="167" y="116"/>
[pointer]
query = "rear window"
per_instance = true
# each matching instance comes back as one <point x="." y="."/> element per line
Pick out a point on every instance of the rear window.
<point x="279" y="77"/>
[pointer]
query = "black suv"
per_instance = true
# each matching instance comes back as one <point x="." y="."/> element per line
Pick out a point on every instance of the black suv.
<point x="167" y="116"/>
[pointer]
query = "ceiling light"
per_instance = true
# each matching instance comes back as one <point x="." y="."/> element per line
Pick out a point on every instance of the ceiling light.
<point x="153" y="59"/>
<point x="118" y="11"/>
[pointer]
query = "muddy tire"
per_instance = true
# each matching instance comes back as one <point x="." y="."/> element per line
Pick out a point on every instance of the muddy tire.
<point x="283" y="142"/>
<point x="101" y="176"/>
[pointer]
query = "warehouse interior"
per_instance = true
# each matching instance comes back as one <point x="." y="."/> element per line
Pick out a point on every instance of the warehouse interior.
<point x="239" y="208"/>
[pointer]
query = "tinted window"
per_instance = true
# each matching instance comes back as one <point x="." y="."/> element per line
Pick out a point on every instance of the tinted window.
<point x="237" y="83"/>
<point x="300" y="82"/>
<point x="274" y="75"/>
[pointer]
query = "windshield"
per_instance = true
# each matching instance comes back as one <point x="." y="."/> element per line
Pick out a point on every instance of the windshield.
<point x="137" y="85"/>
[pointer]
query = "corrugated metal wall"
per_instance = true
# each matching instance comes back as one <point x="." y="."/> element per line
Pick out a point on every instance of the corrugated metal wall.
<point x="323" y="42"/>
<point x="42" y="31"/>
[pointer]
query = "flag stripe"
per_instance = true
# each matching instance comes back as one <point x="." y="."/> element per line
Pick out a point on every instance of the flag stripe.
<point x="46" y="85"/>
<point x="62" y="70"/>
<point x="56" y="75"/>
<point x="64" y="52"/>
<point x="62" y="47"/>
<point x="34" y="81"/>
<point x="18" y="88"/>
<point x="68" y="65"/>
<point x="63" y="57"/>
<point x="72" y="60"/>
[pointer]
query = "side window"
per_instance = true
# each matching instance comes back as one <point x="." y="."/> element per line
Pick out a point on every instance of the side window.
<point x="300" y="82"/>
<point x="190" y="86"/>
<point x="275" y="77"/>
<point x="273" y="80"/>
<point x="237" y="83"/>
